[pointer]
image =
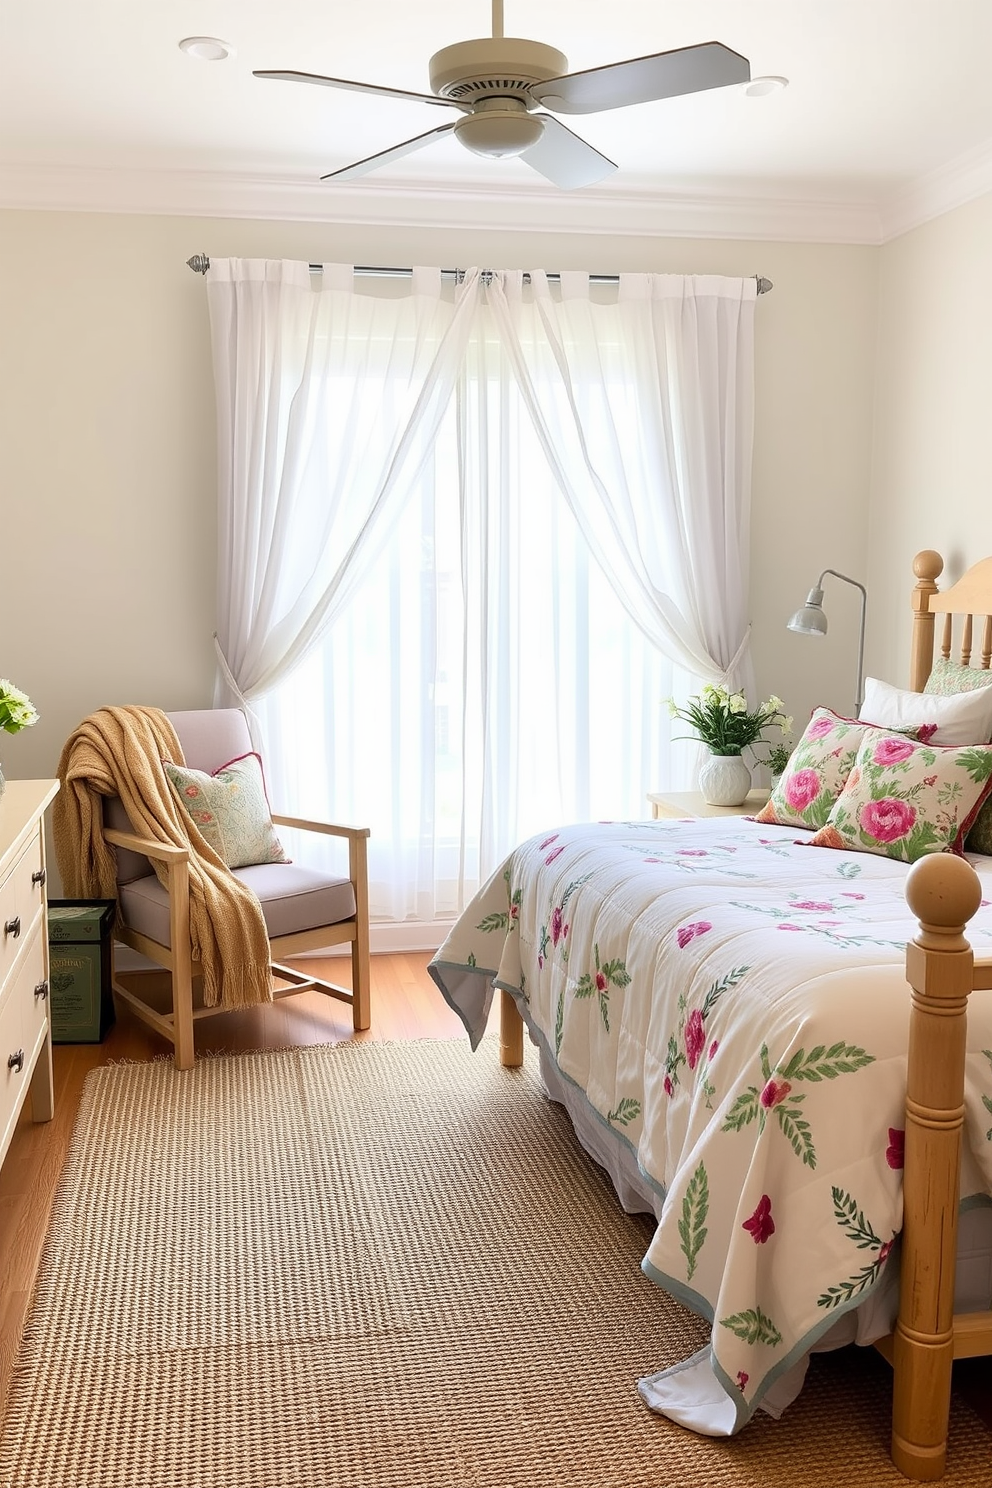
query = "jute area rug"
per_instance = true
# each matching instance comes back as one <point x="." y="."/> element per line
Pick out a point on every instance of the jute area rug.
<point x="376" y="1266"/>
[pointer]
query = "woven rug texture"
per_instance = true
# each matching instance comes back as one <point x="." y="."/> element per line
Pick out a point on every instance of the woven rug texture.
<point x="377" y="1265"/>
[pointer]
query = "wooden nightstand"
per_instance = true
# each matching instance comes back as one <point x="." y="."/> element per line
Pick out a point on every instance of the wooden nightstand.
<point x="691" y="803"/>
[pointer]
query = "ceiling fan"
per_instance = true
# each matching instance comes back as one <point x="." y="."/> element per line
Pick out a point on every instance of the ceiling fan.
<point x="496" y="83"/>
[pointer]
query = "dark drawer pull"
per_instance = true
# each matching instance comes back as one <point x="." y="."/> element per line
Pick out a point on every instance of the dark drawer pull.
<point x="16" y="1061"/>
<point x="12" y="927"/>
<point x="41" y="990"/>
<point x="39" y="876"/>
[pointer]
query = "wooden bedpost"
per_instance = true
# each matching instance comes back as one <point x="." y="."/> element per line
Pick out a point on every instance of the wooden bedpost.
<point x="511" y="1032"/>
<point x="927" y="566"/>
<point x="943" y="892"/>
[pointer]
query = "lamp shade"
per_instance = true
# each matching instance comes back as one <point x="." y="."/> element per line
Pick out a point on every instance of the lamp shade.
<point x="811" y="619"/>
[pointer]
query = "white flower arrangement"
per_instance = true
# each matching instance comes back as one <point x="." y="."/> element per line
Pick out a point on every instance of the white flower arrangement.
<point x="16" y="709"/>
<point x="725" y="723"/>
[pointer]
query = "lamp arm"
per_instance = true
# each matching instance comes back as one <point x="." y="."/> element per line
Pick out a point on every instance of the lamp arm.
<point x="859" y="696"/>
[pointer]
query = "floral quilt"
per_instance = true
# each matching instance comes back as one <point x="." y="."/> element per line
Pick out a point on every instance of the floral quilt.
<point x="733" y="1004"/>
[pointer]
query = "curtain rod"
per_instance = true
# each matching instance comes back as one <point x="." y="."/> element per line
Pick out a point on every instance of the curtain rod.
<point x="200" y="263"/>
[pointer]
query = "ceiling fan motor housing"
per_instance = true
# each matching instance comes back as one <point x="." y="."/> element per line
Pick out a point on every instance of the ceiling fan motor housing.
<point x="494" y="67"/>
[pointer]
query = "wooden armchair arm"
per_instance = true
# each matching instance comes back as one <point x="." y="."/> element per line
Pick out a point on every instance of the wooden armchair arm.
<point x="330" y="829"/>
<point x="163" y="851"/>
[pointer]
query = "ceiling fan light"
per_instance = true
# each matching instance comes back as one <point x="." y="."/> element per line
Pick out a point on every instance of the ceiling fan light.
<point x="497" y="133"/>
<point x="761" y="87"/>
<point x="206" y="48"/>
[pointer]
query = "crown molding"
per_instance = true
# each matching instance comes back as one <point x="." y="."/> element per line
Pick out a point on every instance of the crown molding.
<point x="697" y="210"/>
<point x="961" y="180"/>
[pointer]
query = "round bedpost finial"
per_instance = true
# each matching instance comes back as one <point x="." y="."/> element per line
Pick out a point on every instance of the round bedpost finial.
<point x="943" y="891"/>
<point x="928" y="566"/>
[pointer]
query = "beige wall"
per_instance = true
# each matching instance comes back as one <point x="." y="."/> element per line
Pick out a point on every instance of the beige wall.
<point x="932" y="481"/>
<point x="107" y="455"/>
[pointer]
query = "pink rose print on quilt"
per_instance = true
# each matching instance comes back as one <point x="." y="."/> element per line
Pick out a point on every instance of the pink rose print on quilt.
<point x="887" y="820"/>
<point x="761" y="1226"/>
<point x="695" y="1037"/>
<point x="820" y="726"/>
<point x="896" y="1150"/>
<point x="686" y="933"/>
<point x="774" y="1093"/>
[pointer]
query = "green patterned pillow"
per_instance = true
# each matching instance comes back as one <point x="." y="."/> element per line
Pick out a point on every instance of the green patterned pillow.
<point x="230" y="809"/>
<point x="948" y="677"/>
<point x="904" y="800"/>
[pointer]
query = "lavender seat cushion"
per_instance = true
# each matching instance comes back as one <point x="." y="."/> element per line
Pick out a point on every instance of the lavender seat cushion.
<point x="292" y="899"/>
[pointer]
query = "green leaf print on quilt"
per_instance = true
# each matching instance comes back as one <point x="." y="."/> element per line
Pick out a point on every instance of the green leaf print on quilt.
<point x="692" y="1225"/>
<point x="553" y="934"/>
<point x="859" y="1230"/>
<point x="503" y="919"/>
<point x="986" y="1100"/>
<point x="775" y="1095"/>
<point x="753" y="1326"/>
<point x="597" y="984"/>
<point x="688" y="1045"/>
<point x="625" y="1112"/>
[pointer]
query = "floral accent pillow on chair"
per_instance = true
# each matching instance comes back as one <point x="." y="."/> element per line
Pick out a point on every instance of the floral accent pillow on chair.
<point x="904" y="800"/>
<point x="816" y="772"/>
<point x="230" y="810"/>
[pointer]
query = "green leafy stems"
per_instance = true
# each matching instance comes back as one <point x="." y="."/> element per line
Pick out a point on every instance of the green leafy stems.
<point x="860" y="1232"/>
<point x="692" y="1225"/>
<point x="753" y="1326"/>
<point x="687" y="1046"/>
<point x="504" y="919"/>
<point x="775" y="1096"/>
<point x="598" y="983"/>
<point x="987" y="1100"/>
<point x="725" y="723"/>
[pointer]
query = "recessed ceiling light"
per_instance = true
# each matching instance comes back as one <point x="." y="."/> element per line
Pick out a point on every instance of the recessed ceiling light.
<point x="206" y="48"/>
<point x="760" y="87"/>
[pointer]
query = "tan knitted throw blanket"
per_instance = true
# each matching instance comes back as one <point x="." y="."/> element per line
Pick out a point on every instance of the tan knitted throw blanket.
<point x="119" y="752"/>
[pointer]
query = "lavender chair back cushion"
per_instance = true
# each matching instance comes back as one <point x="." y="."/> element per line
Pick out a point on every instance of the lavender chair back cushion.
<point x="210" y="738"/>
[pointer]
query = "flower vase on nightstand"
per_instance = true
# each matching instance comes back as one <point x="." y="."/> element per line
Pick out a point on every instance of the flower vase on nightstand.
<point x="724" y="780"/>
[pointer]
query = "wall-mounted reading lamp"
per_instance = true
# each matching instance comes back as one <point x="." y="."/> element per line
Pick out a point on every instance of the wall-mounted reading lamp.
<point x="811" y="620"/>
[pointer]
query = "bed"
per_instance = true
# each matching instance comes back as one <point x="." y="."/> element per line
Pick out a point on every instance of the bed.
<point x="722" y="1006"/>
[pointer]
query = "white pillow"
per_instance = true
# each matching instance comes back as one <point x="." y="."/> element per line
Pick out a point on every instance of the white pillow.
<point x="961" y="718"/>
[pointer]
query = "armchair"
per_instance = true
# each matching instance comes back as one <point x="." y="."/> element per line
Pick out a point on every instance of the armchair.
<point x="304" y="909"/>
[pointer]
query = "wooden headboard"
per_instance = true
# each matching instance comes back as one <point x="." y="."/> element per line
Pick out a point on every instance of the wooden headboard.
<point x="967" y="601"/>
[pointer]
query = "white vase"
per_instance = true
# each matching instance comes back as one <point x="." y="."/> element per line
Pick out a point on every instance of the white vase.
<point x="724" y="780"/>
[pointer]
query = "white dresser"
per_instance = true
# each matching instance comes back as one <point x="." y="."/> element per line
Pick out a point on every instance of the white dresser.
<point x="25" y="1030"/>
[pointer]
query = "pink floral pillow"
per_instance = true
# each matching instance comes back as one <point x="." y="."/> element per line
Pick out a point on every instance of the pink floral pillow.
<point x="817" y="769"/>
<point x="904" y="800"/>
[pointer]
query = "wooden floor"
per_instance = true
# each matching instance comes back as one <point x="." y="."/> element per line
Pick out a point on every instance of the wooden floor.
<point x="405" y="1005"/>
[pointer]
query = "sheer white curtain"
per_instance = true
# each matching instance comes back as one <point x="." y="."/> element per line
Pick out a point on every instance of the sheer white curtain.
<point x="472" y="539"/>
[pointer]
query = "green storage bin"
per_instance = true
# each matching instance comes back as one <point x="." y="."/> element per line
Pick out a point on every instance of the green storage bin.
<point x="80" y="953"/>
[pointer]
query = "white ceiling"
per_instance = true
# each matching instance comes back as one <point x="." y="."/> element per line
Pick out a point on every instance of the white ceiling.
<point x="887" y="117"/>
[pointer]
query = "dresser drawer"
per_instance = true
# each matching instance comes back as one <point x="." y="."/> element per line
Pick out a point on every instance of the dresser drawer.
<point x="22" y="898"/>
<point x="23" y="1027"/>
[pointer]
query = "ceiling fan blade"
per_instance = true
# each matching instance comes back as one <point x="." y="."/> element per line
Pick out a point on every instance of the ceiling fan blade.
<point x="565" y="159"/>
<point x="643" y="79"/>
<point x="396" y="152"/>
<point x="329" y="82"/>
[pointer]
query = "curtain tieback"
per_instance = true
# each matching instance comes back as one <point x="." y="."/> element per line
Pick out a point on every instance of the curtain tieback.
<point x="738" y="657"/>
<point x="232" y="682"/>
